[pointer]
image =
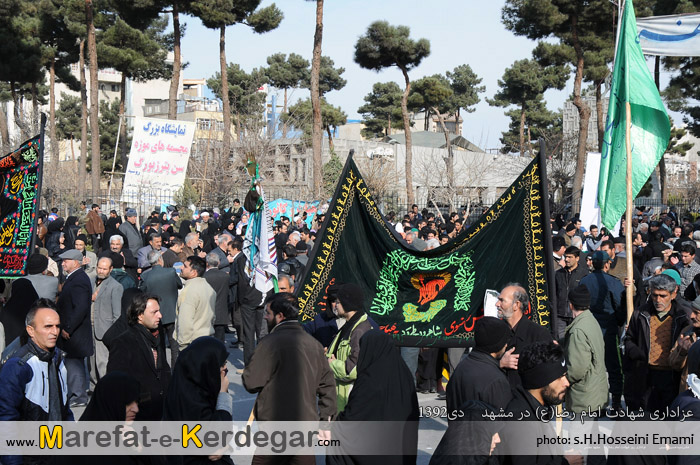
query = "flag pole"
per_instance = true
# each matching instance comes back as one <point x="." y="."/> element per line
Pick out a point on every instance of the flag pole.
<point x="628" y="215"/>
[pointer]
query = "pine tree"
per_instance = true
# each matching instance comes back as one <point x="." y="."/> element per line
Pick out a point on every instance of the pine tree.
<point x="383" y="46"/>
<point x="137" y="54"/>
<point x="300" y="116"/>
<point x="218" y="14"/>
<point x="524" y="85"/>
<point x="383" y="105"/>
<point x="576" y="28"/>
<point x="287" y="73"/>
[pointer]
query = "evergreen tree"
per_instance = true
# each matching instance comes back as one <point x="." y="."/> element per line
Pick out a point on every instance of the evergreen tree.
<point x="137" y="54"/>
<point x="21" y="54"/>
<point x="287" y="73"/>
<point x="314" y="87"/>
<point x="331" y="173"/>
<point x="539" y="121"/>
<point x="245" y="102"/>
<point x="218" y="14"/>
<point x="577" y="28"/>
<point x="109" y="124"/>
<point x="59" y="51"/>
<point x="383" y="46"/>
<point x="329" y="77"/>
<point x="383" y="105"/>
<point x="300" y="116"/>
<point x="524" y="85"/>
<point x="68" y="120"/>
<point x="465" y="89"/>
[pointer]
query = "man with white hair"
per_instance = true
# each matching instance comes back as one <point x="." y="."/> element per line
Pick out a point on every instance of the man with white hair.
<point x="193" y="246"/>
<point x="116" y="245"/>
<point x="221" y="251"/>
<point x="294" y="237"/>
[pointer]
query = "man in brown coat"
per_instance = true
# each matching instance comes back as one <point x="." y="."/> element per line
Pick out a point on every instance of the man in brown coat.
<point x="95" y="227"/>
<point x="289" y="371"/>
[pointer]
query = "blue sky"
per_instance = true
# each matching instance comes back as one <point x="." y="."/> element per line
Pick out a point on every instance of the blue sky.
<point x="463" y="31"/>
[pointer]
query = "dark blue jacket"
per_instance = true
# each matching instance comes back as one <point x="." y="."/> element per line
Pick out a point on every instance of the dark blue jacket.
<point x="74" y="307"/>
<point x="24" y="395"/>
<point x="606" y="296"/>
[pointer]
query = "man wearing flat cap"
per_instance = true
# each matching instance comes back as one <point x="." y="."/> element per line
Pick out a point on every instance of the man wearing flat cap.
<point x="478" y="377"/>
<point x="652" y="382"/>
<point x="344" y="351"/>
<point x="585" y="352"/>
<point x="74" y="305"/>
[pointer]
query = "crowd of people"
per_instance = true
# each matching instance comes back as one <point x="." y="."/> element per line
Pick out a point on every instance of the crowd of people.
<point x="105" y="299"/>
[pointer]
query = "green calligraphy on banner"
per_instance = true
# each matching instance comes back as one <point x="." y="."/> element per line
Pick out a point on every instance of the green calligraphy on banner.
<point x="435" y="297"/>
<point x="20" y="175"/>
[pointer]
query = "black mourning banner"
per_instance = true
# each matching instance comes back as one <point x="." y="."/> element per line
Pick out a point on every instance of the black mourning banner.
<point x="430" y="298"/>
<point x="20" y="184"/>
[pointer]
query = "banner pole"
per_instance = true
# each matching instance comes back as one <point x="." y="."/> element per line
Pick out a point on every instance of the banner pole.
<point x="40" y="169"/>
<point x="547" y="234"/>
<point x="628" y="214"/>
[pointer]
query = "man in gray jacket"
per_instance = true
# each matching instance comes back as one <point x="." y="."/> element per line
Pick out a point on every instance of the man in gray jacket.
<point x="131" y="232"/>
<point x="106" y="308"/>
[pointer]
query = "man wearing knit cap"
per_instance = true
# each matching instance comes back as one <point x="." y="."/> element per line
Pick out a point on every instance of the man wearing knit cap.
<point x="542" y="369"/>
<point x="651" y="381"/>
<point x="689" y="336"/>
<point x="478" y="376"/>
<point x="345" y="349"/>
<point x="585" y="354"/>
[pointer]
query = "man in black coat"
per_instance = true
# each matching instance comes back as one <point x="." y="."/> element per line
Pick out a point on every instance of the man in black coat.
<point x="140" y="352"/>
<point x="164" y="283"/>
<point x="478" y="377"/>
<point x="512" y="304"/>
<point x="250" y="302"/>
<point x="74" y="304"/>
<point x="218" y="280"/>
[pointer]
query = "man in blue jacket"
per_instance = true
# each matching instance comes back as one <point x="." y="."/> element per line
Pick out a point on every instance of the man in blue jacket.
<point x="33" y="380"/>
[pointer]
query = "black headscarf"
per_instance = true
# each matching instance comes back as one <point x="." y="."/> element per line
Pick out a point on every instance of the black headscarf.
<point x="13" y="315"/>
<point x="384" y="391"/>
<point x="112" y="394"/>
<point x="185" y="228"/>
<point x="196" y="381"/>
<point x="468" y="438"/>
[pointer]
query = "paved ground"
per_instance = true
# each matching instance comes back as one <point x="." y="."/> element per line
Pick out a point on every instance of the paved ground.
<point x="429" y="434"/>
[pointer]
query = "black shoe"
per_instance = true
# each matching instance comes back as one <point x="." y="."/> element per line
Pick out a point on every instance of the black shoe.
<point x="441" y="396"/>
<point x="78" y="404"/>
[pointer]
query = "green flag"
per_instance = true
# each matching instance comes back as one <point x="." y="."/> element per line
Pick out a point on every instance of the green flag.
<point x="631" y="82"/>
